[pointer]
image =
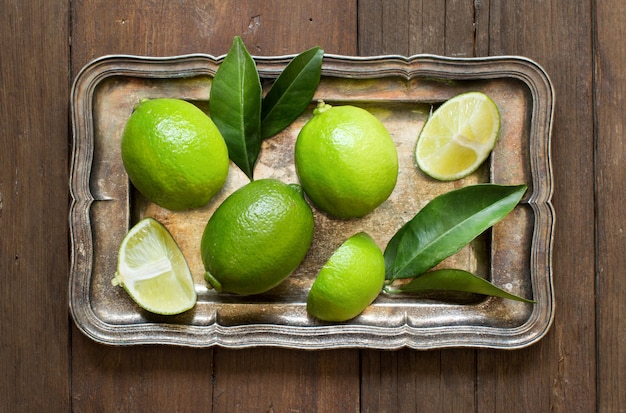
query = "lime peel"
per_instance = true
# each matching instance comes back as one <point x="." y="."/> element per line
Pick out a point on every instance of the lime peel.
<point x="346" y="161"/>
<point x="321" y="107"/>
<point x="257" y="237"/>
<point x="174" y="154"/>
<point x="213" y="282"/>
<point x="351" y="280"/>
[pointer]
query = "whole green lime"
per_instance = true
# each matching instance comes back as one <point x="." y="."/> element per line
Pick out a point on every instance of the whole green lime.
<point x="350" y="280"/>
<point x="174" y="154"/>
<point x="257" y="237"/>
<point x="346" y="161"/>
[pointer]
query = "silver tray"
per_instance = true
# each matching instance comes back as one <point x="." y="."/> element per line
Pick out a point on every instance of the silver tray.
<point x="515" y="254"/>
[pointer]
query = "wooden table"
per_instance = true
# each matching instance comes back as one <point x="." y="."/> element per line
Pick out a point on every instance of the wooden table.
<point x="47" y="364"/>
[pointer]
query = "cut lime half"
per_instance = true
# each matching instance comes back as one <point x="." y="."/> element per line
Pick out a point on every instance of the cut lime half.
<point x="458" y="137"/>
<point x="350" y="280"/>
<point x="153" y="270"/>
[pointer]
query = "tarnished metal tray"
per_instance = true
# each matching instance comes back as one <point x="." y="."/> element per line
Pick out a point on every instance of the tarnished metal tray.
<point x="400" y="91"/>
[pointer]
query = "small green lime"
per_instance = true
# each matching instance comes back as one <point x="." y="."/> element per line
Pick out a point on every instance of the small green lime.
<point x="346" y="161"/>
<point x="350" y="280"/>
<point x="257" y="237"/>
<point x="174" y="154"/>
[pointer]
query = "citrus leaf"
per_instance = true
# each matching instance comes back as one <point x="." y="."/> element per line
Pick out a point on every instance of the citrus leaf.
<point x="454" y="280"/>
<point x="235" y="106"/>
<point x="445" y="225"/>
<point x="292" y="92"/>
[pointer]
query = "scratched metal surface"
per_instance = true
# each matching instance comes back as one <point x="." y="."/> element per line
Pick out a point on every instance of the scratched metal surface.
<point x="400" y="91"/>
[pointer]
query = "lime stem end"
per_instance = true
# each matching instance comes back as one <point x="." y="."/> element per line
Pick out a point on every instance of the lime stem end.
<point x="212" y="281"/>
<point x="321" y="107"/>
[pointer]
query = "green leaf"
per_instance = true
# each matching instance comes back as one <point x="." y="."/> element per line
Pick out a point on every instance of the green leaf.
<point x="235" y="106"/>
<point x="454" y="280"/>
<point x="445" y="225"/>
<point x="292" y="92"/>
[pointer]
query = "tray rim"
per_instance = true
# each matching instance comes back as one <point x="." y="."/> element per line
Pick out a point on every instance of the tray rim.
<point x="341" y="335"/>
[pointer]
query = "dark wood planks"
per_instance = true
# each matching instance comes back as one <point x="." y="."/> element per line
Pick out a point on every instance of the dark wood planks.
<point x="34" y="91"/>
<point x="126" y="379"/>
<point x="414" y="381"/>
<point x="272" y="380"/>
<point x="610" y="98"/>
<point x="408" y="27"/>
<point x="158" y="28"/>
<point x="139" y="379"/>
<point x="558" y="373"/>
<point x="406" y="380"/>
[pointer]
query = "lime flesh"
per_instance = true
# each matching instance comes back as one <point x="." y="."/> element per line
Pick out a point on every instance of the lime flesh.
<point x="153" y="271"/>
<point x="458" y="137"/>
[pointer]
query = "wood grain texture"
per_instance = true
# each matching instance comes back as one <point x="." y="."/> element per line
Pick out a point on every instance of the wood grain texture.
<point x="407" y="381"/>
<point x="415" y="381"/>
<point x="610" y="127"/>
<point x="558" y="373"/>
<point x="271" y="380"/>
<point x="244" y="380"/>
<point x="504" y="380"/>
<point x="408" y="27"/>
<point x="48" y="365"/>
<point x="162" y="28"/>
<point x="34" y="90"/>
<point x="139" y="379"/>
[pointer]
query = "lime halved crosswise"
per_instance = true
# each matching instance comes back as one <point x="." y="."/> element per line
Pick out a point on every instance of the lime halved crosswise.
<point x="346" y="161"/>
<point x="458" y="137"/>
<point x="174" y="154"/>
<point x="350" y="280"/>
<point x="153" y="270"/>
<point x="257" y="237"/>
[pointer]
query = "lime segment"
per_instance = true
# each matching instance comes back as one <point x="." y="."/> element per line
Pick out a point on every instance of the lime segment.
<point x="458" y="137"/>
<point x="153" y="270"/>
<point x="350" y="280"/>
